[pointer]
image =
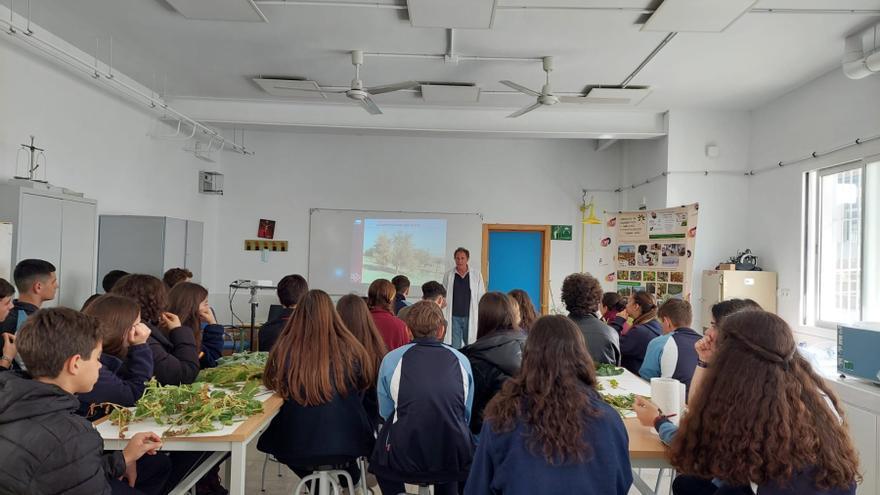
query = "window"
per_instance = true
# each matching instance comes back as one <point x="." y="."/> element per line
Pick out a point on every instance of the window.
<point x="841" y="280"/>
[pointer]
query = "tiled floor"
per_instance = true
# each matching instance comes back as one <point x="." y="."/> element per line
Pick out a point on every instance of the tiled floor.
<point x="285" y="484"/>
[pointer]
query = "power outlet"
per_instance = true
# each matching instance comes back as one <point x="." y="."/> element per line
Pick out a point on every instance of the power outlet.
<point x="784" y="292"/>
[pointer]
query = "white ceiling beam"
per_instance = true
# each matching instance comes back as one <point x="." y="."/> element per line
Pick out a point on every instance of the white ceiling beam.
<point x="554" y="122"/>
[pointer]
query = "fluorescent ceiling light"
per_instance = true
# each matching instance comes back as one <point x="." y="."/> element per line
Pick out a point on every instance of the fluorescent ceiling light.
<point x="219" y="10"/>
<point x="461" y="14"/>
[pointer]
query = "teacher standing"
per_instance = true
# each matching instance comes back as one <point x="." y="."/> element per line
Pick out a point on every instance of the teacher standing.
<point x="465" y="288"/>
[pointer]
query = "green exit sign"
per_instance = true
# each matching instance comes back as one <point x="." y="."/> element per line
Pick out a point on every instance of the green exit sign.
<point x="560" y="232"/>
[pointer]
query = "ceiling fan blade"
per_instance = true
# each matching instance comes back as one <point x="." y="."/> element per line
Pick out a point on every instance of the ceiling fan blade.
<point x="521" y="89"/>
<point x="378" y="90"/>
<point x="370" y="106"/>
<point x="593" y="100"/>
<point x="525" y="110"/>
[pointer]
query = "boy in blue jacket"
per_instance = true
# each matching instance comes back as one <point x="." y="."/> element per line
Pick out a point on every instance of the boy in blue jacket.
<point x="426" y="391"/>
<point x="672" y="355"/>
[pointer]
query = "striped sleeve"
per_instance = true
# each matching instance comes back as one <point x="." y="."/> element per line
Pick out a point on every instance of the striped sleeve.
<point x="467" y="379"/>
<point x="388" y="384"/>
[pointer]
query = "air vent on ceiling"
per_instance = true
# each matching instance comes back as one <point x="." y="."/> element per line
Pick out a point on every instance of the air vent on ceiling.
<point x="450" y="93"/>
<point x="290" y="88"/>
<point x="219" y="10"/>
<point x="460" y="14"/>
<point x="629" y="96"/>
<point x="697" y="16"/>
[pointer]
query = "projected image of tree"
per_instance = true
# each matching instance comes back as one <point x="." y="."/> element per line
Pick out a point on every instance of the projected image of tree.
<point x="404" y="247"/>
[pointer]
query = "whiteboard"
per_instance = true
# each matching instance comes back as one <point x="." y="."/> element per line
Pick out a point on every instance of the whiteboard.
<point x="348" y="249"/>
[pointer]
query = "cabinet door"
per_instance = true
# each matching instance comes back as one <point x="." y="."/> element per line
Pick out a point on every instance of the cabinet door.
<point x="78" y="234"/>
<point x="39" y="233"/>
<point x="863" y="429"/>
<point x="195" y="232"/>
<point x="175" y="243"/>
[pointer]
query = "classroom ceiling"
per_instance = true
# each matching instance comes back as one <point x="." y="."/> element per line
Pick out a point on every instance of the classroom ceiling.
<point x="758" y="58"/>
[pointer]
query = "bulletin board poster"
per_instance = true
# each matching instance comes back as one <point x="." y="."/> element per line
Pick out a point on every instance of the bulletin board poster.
<point x="652" y="250"/>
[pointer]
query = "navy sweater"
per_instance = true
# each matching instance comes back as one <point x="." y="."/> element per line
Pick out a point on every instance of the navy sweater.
<point x="122" y="385"/>
<point x="212" y="345"/>
<point x="504" y="464"/>
<point x="634" y="343"/>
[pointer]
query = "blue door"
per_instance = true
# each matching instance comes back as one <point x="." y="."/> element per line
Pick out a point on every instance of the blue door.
<point x="515" y="262"/>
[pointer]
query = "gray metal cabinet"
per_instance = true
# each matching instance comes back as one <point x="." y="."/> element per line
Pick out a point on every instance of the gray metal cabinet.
<point x="151" y="245"/>
<point x="57" y="227"/>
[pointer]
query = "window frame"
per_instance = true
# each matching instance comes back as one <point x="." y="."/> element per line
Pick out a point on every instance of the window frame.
<point x="812" y="239"/>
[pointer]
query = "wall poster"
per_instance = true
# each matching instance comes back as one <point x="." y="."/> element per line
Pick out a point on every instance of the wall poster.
<point x="652" y="250"/>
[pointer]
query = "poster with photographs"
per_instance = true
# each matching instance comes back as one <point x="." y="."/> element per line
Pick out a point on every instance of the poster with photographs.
<point x="653" y="251"/>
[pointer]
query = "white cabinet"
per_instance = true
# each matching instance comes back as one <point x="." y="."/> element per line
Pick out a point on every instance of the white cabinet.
<point x="59" y="228"/>
<point x="151" y="245"/>
<point x="861" y="403"/>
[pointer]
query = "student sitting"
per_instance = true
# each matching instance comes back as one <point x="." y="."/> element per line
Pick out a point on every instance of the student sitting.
<point x="321" y="371"/>
<point x="672" y="355"/>
<point x="7" y="291"/>
<point x="581" y="294"/>
<point x="548" y="431"/>
<point x="111" y="278"/>
<point x="426" y="390"/>
<point x="47" y="448"/>
<point x="401" y="286"/>
<point x="290" y="290"/>
<point x="175" y="276"/>
<point x="765" y="420"/>
<point x="431" y="291"/>
<point x="634" y="340"/>
<point x="380" y="299"/>
<point x="356" y="316"/>
<point x="612" y="304"/>
<point x="497" y="354"/>
<point x="36" y="283"/>
<point x="126" y="359"/>
<point x="527" y="314"/>
<point x="175" y="358"/>
<point x="190" y="302"/>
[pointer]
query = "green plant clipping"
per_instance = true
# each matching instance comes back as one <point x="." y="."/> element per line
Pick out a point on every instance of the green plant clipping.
<point x="560" y="232"/>
<point x="606" y="369"/>
<point x="622" y="403"/>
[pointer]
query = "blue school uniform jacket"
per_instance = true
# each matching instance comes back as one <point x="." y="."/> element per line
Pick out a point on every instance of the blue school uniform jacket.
<point x="634" y="343"/>
<point x="504" y="464"/>
<point x="426" y="390"/>
<point x="120" y="382"/>
<point x="672" y="356"/>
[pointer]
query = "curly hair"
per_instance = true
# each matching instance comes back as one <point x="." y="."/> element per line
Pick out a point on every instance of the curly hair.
<point x="527" y="313"/>
<point x="581" y="294"/>
<point x="763" y="417"/>
<point x="551" y="393"/>
<point x="148" y="291"/>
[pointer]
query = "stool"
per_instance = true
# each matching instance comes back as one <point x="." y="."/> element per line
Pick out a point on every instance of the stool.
<point x="263" y="477"/>
<point x="326" y="479"/>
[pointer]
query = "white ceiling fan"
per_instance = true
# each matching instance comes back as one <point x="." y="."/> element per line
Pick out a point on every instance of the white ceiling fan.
<point x="546" y="96"/>
<point x="361" y="94"/>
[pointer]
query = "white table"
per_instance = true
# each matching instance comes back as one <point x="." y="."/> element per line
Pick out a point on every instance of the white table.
<point x="231" y="440"/>
<point x="645" y="448"/>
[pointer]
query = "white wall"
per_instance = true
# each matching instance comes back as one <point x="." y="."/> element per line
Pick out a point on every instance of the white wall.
<point x="825" y="113"/>
<point x="643" y="159"/>
<point x="97" y="144"/>
<point x="721" y="226"/>
<point x="524" y="181"/>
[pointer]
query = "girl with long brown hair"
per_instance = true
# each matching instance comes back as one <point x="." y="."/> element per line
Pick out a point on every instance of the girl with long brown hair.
<point x="380" y="299"/>
<point x="190" y="302"/>
<point x="527" y="313"/>
<point x="642" y="308"/>
<point x="124" y="339"/>
<point x="322" y="371"/>
<point x="356" y="316"/>
<point x="175" y="355"/>
<point x="497" y="354"/>
<point x="764" y="419"/>
<point x="548" y="431"/>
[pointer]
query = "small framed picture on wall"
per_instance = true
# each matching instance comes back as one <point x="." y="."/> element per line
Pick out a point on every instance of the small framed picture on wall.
<point x="266" y="230"/>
